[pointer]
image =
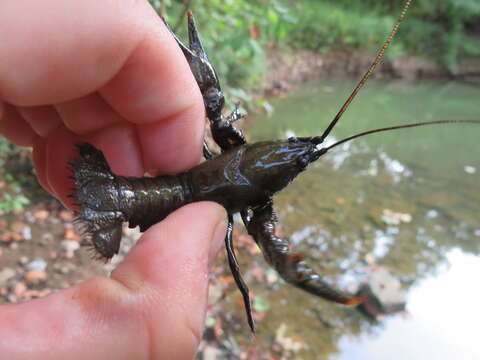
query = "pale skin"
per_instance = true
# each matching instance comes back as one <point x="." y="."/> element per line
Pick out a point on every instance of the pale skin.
<point x="109" y="73"/>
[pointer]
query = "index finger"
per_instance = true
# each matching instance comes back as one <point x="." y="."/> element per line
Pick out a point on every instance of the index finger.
<point x="156" y="91"/>
<point x="154" y="94"/>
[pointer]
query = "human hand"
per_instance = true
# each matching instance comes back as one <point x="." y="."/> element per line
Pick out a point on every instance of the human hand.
<point x="108" y="72"/>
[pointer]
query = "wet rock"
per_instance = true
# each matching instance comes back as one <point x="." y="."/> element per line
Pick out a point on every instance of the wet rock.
<point x="33" y="277"/>
<point x="5" y="275"/>
<point x="37" y="264"/>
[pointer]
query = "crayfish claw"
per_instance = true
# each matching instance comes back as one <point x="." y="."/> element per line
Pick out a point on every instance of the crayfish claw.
<point x="291" y="266"/>
<point x="235" y="115"/>
<point x="224" y="134"/>
<point x="194" y="41"/>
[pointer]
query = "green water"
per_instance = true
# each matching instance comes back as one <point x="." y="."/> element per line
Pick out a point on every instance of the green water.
<point x="333" y="212"/>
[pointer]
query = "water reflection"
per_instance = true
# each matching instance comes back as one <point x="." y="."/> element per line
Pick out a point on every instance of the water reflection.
<point x="341" y="212"/>
<point x="437" y="327"/>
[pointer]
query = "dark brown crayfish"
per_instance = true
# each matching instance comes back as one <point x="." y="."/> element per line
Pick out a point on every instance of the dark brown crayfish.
<point x="243" y="178"/>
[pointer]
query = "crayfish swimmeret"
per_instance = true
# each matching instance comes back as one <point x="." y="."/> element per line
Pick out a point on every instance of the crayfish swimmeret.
<point x="243" y="178"/>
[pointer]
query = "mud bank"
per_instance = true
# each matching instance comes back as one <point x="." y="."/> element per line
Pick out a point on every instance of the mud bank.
<point x="286" y="68"/>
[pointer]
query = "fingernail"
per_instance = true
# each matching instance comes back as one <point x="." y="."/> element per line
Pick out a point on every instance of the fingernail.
<point x="218" y="236"/>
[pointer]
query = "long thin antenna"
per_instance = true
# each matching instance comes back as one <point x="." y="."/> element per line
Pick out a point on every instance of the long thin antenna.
<point x="324" y="150"/>
<point x="369" y="72"/>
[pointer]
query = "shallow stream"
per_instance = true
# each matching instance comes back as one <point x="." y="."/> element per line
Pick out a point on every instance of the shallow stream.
<point x="407" y="201"/>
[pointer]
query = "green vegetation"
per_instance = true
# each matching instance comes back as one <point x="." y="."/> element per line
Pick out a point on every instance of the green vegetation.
<point x="12" y="197"/>
<point x="236" y="32"/>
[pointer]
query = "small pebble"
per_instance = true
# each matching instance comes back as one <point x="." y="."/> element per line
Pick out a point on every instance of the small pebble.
<point x="37" y="264"/>
<point x="26" y="233"/>
<point x="23" y="260"/>
<point x="70" y="234"/>
<point x="37" y="293"/>
<point x="470" y="169"/>
<point x="35" y="276"/>
<point x="29" y="217"/>
<point x="41" y="214"/>
<point x="69" y="247"/>
<point x="66" y="215"/>
<point x="5" y="275"/>
<point x="45" y="239"/>
<point x="19" y="290"/>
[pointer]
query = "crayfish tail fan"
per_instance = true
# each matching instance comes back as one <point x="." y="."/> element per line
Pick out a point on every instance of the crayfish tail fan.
<point x="91" y="164"/>
<point x="96" y="205"/>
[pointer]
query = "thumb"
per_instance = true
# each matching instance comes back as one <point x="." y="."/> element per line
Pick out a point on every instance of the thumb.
<point x="152" y="307"/>
<point x="168" y="273"/>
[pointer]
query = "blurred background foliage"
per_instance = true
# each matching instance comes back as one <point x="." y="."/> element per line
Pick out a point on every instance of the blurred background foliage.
<point x="237" y="32"/>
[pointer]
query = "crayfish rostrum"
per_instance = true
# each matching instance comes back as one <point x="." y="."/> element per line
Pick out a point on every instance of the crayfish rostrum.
<point x="242" y="178"/>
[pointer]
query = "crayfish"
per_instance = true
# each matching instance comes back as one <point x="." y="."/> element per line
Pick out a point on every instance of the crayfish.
<point x="242" y="178"/>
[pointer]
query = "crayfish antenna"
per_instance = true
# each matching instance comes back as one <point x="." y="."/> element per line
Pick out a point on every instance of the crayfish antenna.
<point x="397" y="127"/>
<point x="369" y="72"/>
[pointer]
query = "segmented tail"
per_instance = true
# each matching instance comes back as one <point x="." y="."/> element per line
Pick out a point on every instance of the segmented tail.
<point x="99" y="219"/>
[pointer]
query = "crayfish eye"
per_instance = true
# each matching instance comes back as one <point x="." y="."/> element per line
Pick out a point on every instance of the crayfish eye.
<point x="303" y="161"/>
